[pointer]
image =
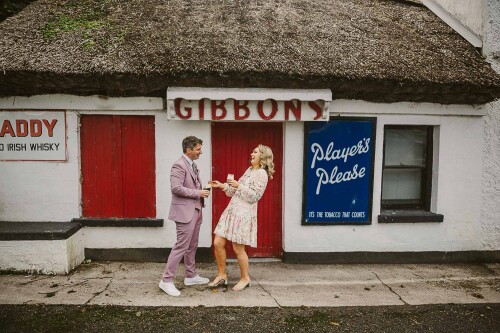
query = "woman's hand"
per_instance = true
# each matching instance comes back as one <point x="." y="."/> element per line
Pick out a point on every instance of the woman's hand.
<point x="216" y="184"/>
<point x="233" y="183"/>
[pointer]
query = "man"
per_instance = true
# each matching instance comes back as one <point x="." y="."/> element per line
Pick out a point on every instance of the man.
<point x="187" y="202"/>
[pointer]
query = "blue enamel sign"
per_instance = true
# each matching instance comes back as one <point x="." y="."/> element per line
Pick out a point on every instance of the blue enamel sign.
<point x="338" y="167"/>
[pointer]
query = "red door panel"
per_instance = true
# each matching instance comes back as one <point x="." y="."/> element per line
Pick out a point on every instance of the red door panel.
<point x="118" y="166"/>
<point x="138" y="157"/>
<point x="232" y="144"/>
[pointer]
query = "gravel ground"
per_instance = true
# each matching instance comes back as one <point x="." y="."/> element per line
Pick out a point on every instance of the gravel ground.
<point x="427" y="318"/>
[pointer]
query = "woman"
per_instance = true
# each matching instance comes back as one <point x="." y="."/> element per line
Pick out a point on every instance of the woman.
<point x="238" y="222"/>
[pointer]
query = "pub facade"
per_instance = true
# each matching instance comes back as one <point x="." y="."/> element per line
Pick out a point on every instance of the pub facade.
<point x="366" y="170"/>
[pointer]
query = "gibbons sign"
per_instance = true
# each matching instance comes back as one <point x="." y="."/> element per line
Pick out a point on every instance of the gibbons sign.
<point x="248" y="104"/>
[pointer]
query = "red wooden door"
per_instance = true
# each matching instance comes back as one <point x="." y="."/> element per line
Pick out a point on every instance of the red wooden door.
<point x="232" y="144"/>
<point x="118" y="166"/>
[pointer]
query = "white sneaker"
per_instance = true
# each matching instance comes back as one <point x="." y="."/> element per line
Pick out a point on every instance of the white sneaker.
<point x="169" y="288"/>
<point x="195" y="280"/>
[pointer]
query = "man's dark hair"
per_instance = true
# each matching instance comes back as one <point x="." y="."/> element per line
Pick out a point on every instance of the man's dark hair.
<point x="190" y="142"/>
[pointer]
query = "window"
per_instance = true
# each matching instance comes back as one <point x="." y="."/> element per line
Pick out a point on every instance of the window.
<point x="407" y="168"/>
<point x="118" y="166"/>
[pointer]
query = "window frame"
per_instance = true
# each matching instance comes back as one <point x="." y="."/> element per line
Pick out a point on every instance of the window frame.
<point x="424" y="203"/>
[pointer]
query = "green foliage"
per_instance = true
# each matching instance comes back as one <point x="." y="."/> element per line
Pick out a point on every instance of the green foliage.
<point x="85" y="23"/>
<point x="88" y="20"/>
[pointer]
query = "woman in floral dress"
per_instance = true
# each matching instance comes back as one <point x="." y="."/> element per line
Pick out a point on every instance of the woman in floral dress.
<point x="238" y="222"/>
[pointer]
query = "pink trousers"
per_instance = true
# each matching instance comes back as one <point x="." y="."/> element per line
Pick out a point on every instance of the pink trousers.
<point x="185" y="247"/>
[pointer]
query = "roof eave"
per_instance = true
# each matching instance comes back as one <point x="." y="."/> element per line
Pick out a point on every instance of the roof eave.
<point x="28" y="83"/>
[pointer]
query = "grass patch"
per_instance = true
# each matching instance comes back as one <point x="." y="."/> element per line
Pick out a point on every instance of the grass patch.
<point x="88" y="23"/>
<point x="61" y="24"/>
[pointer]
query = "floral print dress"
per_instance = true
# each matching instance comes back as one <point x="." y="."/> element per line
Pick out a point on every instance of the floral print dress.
<point x="238" y="222"/>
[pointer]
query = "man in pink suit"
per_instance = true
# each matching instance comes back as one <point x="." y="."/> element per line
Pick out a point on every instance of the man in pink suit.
<point x="187" y="202"/>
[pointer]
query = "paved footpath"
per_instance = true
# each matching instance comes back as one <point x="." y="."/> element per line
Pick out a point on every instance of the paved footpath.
<point x="275" y="284"/>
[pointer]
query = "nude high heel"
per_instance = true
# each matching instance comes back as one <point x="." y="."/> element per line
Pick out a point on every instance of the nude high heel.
<point x="220" y="283"/>
<point x="249" y="284"/>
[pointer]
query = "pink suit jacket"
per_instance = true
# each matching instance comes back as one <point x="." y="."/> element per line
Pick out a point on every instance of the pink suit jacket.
<point x="185" y="186"/>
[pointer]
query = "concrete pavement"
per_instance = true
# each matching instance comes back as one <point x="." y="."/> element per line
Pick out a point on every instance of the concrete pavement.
<point x="275" y="284"/>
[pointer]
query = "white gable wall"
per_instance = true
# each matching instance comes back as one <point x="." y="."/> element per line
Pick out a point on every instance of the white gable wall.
<point x="490" y="201"/>
<point x="490" y="210"/>
<point x="469" y="12"/>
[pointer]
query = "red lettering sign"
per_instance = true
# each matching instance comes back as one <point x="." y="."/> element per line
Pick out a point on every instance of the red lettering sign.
<point x="22" y="128"/>
<point x="218" y="106"/>
<point x="241" y="110"/>
<point x="178" y="109"/>
<point x="274" y="109"/>
<point x="295" y="109"/>
<point x="33" y="128"/>
<point x="7" y="129"/>
<point x="316" y="108"/>
<point x="201" y="108"/>
<point x="50" y="126"/>
<point x="238" y="107"/>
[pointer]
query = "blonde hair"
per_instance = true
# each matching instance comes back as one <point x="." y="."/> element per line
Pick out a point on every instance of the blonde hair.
<point x="266" y="160"/>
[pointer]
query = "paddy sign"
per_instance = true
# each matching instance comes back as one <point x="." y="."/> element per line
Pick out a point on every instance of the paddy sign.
<point x="32" y="136"/>
<point x="338" y="180"/>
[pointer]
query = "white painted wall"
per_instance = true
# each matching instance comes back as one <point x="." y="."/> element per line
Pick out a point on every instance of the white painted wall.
<point x="491" y="32"/>
<point x="490" y="204"/>
<point x="468" y="12"/>
<point x="42" y="191"/>
<point x="46" y="191"/>
<point x="490" y="210"/>
<point x="458" y="189"/>
<point x="43" y="256"/>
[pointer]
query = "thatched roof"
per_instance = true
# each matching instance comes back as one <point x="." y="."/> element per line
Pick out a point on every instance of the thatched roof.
<point x="375" y="50"/>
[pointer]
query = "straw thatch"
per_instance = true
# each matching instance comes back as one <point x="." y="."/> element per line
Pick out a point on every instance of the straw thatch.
<point x="375" y="50"/>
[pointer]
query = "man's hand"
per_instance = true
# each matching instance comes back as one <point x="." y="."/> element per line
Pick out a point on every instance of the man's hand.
<point x="216" y="184"/>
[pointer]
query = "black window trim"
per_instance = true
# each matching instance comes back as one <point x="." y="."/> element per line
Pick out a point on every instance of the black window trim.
<point x="424" y="203"/>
